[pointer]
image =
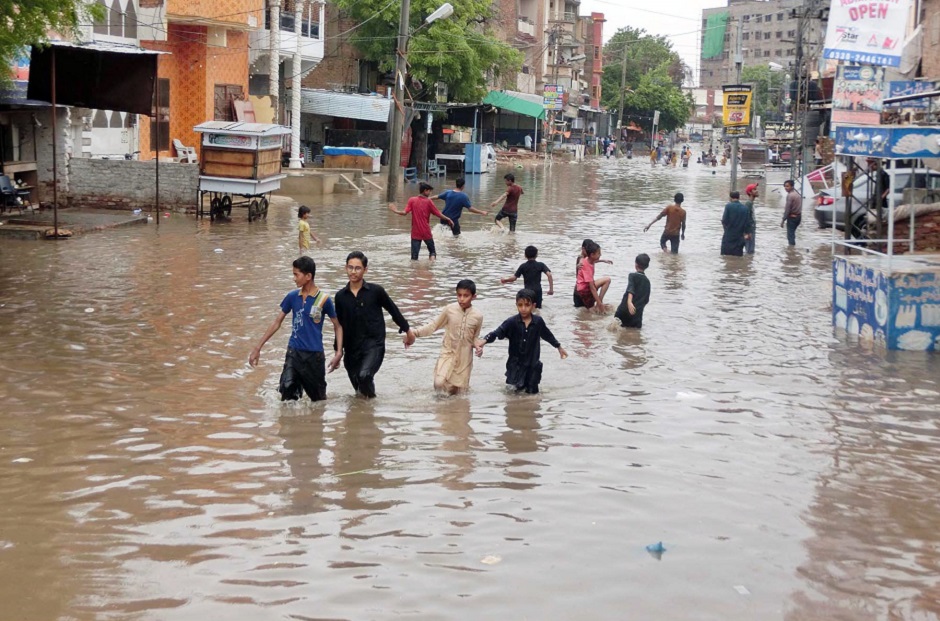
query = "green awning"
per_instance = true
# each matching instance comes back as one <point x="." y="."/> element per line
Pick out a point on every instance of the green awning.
<point x="714" y="44"/>
<point x="520" y="103"/>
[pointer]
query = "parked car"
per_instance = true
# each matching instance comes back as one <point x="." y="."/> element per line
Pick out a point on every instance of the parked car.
<point x="924" y="180"/>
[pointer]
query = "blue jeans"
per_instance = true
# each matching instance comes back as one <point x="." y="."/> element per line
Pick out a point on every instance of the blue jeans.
<point x="792" y="223"/>
<point x="749" y="244"/>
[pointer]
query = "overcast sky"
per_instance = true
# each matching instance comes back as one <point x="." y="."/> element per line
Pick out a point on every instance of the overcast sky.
<point x="679" y="20"/>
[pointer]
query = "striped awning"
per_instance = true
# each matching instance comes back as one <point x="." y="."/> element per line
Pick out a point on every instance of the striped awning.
<point x="345" y="105"/>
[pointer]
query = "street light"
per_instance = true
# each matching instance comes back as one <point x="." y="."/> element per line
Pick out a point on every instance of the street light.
<point x="396" y="113"/>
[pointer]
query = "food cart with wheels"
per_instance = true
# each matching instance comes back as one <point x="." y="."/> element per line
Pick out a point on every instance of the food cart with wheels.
<point x="239" y="160"/>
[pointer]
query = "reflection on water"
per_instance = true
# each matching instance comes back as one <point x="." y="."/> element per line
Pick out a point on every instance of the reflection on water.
<point x="148" y="473"/>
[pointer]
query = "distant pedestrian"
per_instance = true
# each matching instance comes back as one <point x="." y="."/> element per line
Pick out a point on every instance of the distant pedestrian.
<point x="303" y="228"/>
<point x="751" y="193"/>
<point x="675" y="224"/>
<point x="359" y="307"/>
<point x="637" y="295"/>
<point x="510" y="208"/>
<point x="528" y="142"/>
<point x="420" y="207"/>
<point x="736" y="221"/>
<point x="524" y="331"/>
<point x="455" y="201"/>
<point x="531" y="272"/>
<point x="462" y="324"/>
<point x="304" y="361"/>
<point x="792" y="211"/>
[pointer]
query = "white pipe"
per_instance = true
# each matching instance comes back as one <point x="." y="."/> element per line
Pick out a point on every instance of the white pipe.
<point x="295" y="89"/>
<point x="890" y="213"/>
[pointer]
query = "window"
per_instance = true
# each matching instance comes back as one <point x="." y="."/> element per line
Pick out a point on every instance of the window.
<point x="225" y="94"/>
<point x="778" y="34"/>
<point x="778" y="53"/>
<point x="597" y="52"/>
<point x="746" y="19"/>
<point x="779" y="17"/>
<point x="766" y="53"/>
<point x="757" y="18"/>
<point x="160" y="119"/>
<point x="791" y="34"/>
<point x="766" y="36"/>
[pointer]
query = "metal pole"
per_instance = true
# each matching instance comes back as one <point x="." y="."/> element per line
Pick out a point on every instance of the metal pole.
<point x="623" y="88"/>
<point x="799" y="91"/>
<point x="157" y="158"/>
<point x="890" y="214"/>
<point x="535" y="143"/>
<point x="396" y="114"/>
<point x="295" y="88"/>
<point x="55" y="157"/>
<point x="274" y="54"/>
<point x="738" y="61"/>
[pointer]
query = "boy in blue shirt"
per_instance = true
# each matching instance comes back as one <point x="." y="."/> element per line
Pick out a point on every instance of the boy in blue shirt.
<point x="455" y="201"/>
<point x="304" y="362"/>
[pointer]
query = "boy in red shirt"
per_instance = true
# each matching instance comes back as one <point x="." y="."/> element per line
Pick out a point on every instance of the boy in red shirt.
<point x="421" y="207"/>
<point x="510" y="207"/>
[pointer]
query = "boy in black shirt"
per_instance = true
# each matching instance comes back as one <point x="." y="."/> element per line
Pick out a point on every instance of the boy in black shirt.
<point x="630" y="311"/>
<point x="531" y="272"/>
<point x="524" y="331"/>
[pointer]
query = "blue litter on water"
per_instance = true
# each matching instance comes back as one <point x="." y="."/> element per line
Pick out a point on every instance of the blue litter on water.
<point x="656" y="548"/>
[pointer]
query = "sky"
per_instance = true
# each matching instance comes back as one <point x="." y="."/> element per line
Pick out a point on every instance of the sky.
<point x="679" y="20"/>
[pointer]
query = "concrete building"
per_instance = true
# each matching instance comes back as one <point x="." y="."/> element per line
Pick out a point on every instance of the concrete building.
<point x="930" y="54"/>
<point x="769" y="33"/>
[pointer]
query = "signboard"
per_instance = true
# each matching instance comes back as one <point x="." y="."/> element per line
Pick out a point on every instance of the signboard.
<point x="858" y="95"/>
<point x="910" y="87"/>
<point x="888" y="141"/>
<point x="867" y="31"/>
<point x="553" y="97"/>
<point x="736" y="109"/>
<point x="778" y="131"/>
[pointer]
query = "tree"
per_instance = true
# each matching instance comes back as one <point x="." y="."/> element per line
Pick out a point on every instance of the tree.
<point x="29" y="23"/>
<point x="458" y="51"/>
<point x="655" y="74"/>
<point x="768" y="87"/>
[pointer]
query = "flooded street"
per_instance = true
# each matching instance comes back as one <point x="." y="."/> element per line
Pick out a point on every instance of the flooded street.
<point x="147" y="473"/>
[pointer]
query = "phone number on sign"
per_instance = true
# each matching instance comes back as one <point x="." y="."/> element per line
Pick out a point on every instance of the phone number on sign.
<point x="871" y="59"/>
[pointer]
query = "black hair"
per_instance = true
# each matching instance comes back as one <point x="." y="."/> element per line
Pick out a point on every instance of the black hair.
<point x="678" y="198"/>
<point x="735" y="194"/>
<point x="306" y="265"/>
<point x="460" y="182"/>
<point x="467" y="285"/>
<point x="422" y="187"/>
<point x="509" y="177"/>
<point x="643" y="260"/>
<point x="591" y="248"/>
<point x="531" y="252"/>
<point x="790" y="181"/>
<point x="302" y="210"/>
<point x="586" y="242"/>
<point x="357" y="254"/>
<point x="526" y="294"/>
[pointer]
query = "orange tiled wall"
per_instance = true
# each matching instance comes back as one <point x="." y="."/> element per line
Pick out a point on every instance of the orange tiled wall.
<point x="231" y="11"/>
<point x="193" y="70"/>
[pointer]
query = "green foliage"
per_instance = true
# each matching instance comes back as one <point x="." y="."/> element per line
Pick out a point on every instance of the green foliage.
<point x="768" y="91"/>
<point x="28" y="23"/>
<point x="655" y="74"/>
<point x="458" y="51"/>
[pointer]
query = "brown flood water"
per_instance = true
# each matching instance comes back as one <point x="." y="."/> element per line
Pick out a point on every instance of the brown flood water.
<point x="147" y="473"/>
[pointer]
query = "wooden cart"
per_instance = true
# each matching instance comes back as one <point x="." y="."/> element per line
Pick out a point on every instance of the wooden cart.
<point x="239" y="160"/>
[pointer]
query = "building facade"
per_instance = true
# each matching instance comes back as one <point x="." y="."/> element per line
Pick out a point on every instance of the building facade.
<point x="930" y="54"/>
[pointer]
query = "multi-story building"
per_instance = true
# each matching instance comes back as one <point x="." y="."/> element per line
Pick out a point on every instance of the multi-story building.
<point x="768" y="34"/>
<point x="930" y="54"/>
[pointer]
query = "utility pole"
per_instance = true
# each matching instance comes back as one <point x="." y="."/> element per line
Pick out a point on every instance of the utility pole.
<point x="800" y="81"/>
<point x="296" y="88"/>
<point x="623" y="88"/>
<point x="738" y="61"/>
<point x="396" y="119"/>
<point x="274" y="53"/>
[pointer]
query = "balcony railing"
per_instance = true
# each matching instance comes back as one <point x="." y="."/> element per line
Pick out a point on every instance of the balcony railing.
<point x="309" y="26"/>
<point x="526" y="27"/>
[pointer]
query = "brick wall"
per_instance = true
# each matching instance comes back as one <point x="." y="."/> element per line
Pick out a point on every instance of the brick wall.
<point x="117" y="184"/>
<point x="930" y="58"/>
<point x="339" y="65"/>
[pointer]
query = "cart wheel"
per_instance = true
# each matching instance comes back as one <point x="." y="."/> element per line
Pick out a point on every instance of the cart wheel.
<point x="227" y="205"/>
<point x="253" y="210"/>
<point x="264" y="208"/>
<point x="215" y="209"/>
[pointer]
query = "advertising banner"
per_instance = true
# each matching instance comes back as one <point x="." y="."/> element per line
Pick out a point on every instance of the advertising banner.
<point x="910" y="87"/>
<point x="858" y="95"/>
<point x="866" y="31"/>
<point x="736" y="109"/>
<point x="553" y="97"/>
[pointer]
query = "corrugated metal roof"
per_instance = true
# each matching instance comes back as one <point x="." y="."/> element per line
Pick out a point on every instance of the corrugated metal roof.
<point x="237" y="127"/>
<point x="345" y="105"/>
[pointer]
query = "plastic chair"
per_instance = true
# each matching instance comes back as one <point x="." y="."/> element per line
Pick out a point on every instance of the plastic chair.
<point x="411" y="174"/>
<point x="12" y="197"/>
<point x="187" y="154"/>
<point x="436" y="169"/>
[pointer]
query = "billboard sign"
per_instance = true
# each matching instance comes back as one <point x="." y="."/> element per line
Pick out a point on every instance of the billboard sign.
<point x="553" y="97"/>
<point x="736" y="109"/>
<point x="858" y="95"/>
<point x="866" y="31"/>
